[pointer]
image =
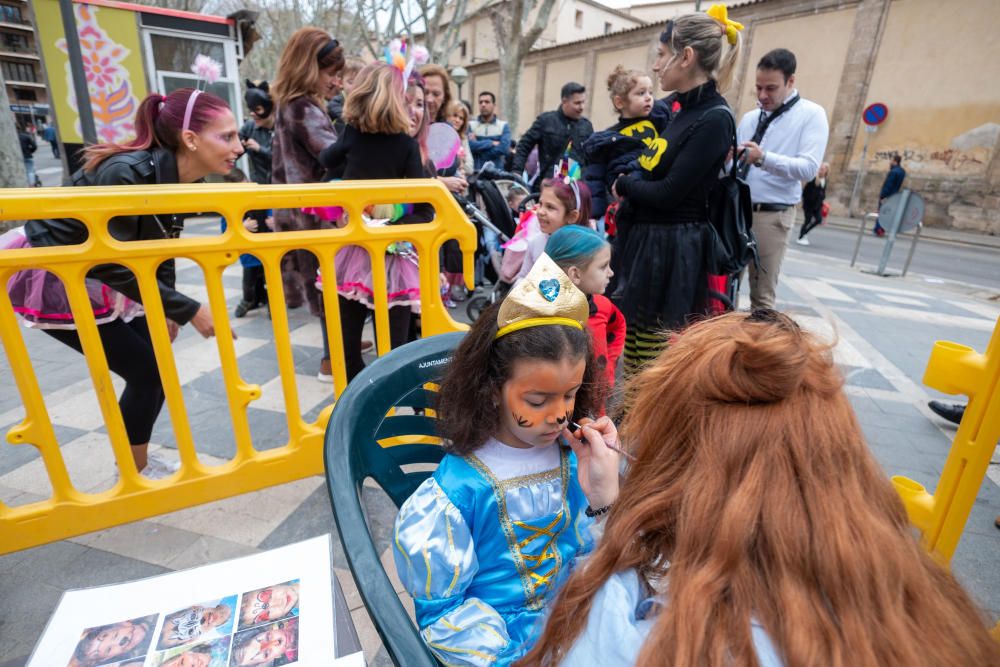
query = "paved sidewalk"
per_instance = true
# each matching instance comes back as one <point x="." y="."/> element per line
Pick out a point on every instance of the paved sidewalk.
<point x="884" y="330"/>
<point x="929" y="232"/>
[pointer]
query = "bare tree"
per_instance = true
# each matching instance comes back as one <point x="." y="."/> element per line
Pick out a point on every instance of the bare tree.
<point x="516" y="33"/>
<point x="434" y="23"/>
<point x="443" y="21"/>
<point x="12" y="174"/>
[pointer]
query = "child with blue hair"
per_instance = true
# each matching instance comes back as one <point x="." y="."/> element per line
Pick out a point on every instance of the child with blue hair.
<point x="585" y="256"/>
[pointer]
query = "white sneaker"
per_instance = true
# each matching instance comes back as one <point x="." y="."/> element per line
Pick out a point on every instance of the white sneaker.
<point x="803" y="241"/>
<point x="325" y="374"/>
<point x="159" y="468"/>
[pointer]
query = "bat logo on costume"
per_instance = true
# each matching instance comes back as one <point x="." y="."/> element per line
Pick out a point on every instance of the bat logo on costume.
<point x="656" y="145"/>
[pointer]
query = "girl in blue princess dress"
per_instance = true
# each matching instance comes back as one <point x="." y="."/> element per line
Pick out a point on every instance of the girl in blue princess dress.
<point x="484" y="542"/>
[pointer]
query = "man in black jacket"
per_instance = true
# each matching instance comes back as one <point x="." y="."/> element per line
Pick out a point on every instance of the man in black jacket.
<point x="890" y="186"/>
<point x="553" y="132"/>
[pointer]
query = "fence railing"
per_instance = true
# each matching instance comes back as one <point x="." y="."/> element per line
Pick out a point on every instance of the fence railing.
<point x="70" y="511"/>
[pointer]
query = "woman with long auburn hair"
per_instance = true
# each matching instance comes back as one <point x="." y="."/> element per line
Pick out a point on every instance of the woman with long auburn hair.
<point x="755" y="527"/>
<point x="308" y="75"/>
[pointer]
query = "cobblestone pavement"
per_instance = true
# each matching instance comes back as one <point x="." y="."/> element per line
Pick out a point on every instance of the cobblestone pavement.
<point x="885" y="328"/>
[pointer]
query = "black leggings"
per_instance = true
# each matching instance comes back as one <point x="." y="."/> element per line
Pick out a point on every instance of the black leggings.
<point x="254" y="291"/>
<point x="813" y="219"/>
<point x="352" y="323"/>
<point x="129" y="351"/>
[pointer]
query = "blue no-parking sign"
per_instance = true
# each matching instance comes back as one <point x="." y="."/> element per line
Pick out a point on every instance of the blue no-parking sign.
<point x="875" y="114"/>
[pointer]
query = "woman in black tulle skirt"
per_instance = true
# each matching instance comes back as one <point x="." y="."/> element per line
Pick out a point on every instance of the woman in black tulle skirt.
<point x="666" y="242"/>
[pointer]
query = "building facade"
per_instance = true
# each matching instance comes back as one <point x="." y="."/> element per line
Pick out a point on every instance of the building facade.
<point x="21" y="63"/>
<point x="932" y="63"/>
<point x="570" y="21"/>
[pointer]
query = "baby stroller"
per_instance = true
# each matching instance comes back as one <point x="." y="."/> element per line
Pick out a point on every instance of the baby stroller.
<point x="488" y="208"/>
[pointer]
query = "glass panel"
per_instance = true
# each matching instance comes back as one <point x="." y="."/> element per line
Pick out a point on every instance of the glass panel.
<point x="224" y="90"/>
<point x="177" y="54"/>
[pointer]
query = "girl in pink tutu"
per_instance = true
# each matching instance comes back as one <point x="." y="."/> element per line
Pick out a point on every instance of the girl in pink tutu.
<point x="384" y="120"/>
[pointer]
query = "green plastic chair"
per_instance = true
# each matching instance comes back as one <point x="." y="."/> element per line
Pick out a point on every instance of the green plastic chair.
<point x="363" y="439"/>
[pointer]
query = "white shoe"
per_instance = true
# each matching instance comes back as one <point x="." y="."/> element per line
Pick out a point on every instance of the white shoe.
<point x="159" y="468"/>
<point x="803" y="241"/>
<point x="327" y="376"/>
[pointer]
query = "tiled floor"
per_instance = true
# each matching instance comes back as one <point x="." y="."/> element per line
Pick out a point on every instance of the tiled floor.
<point x="884" y="328"/>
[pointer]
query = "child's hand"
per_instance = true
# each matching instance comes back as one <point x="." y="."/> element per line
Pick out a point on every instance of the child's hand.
<point x="269" y="221"/>
<point x="597" y="460"/>
<point x="250" y="224"/>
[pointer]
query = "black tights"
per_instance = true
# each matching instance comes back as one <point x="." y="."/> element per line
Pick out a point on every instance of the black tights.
<point x="813" y="219"/>
<point x="129" y="351"/>
<point x="352" y="322"/>
<point x="254" y="291"/>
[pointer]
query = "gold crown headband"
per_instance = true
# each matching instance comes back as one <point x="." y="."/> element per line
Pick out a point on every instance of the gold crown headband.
<point x="546" y="296"/>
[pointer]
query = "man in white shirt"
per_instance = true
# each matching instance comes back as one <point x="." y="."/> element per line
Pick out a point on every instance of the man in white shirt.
<point x="782" y="145"/>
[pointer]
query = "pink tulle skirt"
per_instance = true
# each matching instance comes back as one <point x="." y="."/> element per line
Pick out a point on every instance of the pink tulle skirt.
<point x="402" y="276"/>
<point x="41" y="300"/>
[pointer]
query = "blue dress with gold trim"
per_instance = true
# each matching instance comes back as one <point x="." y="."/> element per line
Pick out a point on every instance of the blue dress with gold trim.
<point x="481" y="556"/>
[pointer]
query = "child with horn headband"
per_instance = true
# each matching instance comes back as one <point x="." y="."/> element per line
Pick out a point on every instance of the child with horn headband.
<point x="483" y="544"/>
<point x="563" y="200"/>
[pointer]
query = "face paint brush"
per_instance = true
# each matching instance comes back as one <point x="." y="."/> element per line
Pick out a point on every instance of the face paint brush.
<point x="574" y="428"/>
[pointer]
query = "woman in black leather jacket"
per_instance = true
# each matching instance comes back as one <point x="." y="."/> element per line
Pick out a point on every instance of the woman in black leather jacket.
<point x="180" y="138"/>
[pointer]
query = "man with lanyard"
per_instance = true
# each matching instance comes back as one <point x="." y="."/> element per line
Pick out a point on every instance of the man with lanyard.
<point x="781" y="146"/>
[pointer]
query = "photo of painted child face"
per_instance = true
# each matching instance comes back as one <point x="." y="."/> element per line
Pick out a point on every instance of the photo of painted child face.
<point x="537" y="401"/>
<point x="189" y="659"/>
<point x="264" y="647"/>
<point x="110" y="643"/>
<point x="268" y="604"/>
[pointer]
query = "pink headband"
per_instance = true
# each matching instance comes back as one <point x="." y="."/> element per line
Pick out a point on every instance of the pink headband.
<point x="189" y="109"/>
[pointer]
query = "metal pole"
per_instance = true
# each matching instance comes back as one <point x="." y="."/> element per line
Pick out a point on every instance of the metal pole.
<point x="892" y="230"/>
<point x="861" y="233"/>
<point x="913" y="247"/>
<point x="856" y="192"/>
<point x="87" y="126"/>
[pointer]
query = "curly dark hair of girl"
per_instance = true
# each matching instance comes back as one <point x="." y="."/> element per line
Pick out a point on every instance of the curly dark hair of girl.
<point x="470" y="392"/>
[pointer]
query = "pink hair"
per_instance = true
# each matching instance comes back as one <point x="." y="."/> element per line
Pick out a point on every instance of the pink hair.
<point x="158" y="123"/>
<point x="564" y="193"/>
<point x="417" y="81"/>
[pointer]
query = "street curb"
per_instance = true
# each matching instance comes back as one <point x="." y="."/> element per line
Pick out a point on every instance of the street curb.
<point x="967" y="239"/>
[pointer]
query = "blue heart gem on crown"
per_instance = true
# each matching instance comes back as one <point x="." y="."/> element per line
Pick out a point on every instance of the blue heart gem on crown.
<point x="549" y="289"/>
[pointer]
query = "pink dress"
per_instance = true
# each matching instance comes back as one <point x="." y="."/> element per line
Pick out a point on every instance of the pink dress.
<point x="515" y="250"/>
<point x="41" y="300"/>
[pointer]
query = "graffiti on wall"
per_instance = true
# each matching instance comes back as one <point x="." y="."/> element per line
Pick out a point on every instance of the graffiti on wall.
<point x="969" y="152"/>
<point x="950" y="159"/>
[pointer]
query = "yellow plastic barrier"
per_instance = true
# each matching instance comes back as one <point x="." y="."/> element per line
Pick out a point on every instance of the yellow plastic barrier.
<point x="69" y="511"/>
<point x="941" y="516"/>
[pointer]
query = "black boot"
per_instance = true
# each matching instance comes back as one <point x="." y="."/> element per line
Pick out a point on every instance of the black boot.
<point x="242" y="309"/>
<point x="953" y="412"/>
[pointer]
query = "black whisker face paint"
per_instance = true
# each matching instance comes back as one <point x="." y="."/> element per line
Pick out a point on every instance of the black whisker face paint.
<point x="521" y="421"/>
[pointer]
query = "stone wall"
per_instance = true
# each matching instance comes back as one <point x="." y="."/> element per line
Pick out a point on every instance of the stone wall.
<point x="933" y="63"/>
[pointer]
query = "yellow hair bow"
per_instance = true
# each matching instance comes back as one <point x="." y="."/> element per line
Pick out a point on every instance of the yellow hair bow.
<point x="720" y="14"/>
